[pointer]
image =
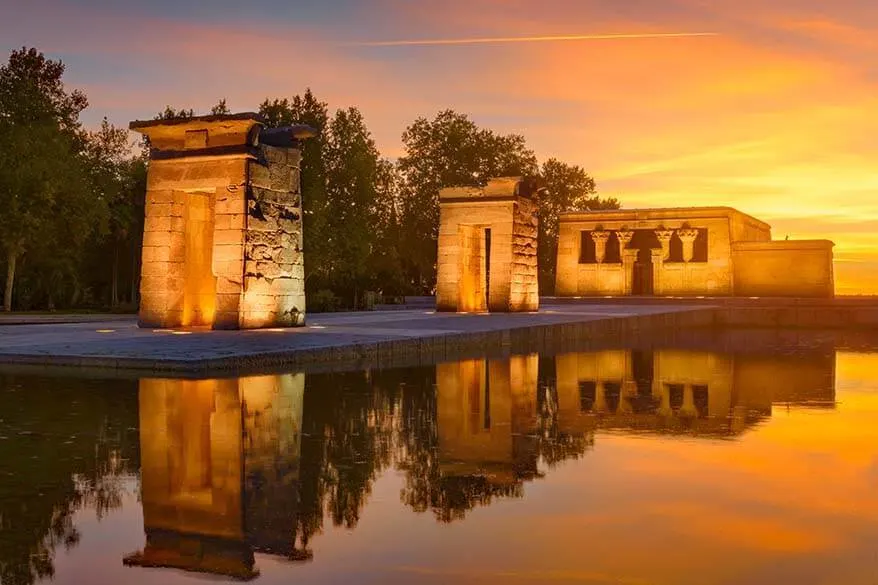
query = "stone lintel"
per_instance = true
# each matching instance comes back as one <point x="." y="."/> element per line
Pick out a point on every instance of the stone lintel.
<point x="200" y="135"/>
<point x="500" y="189"/>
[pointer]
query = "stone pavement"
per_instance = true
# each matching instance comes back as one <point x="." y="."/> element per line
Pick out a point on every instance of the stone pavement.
<point x="44" y="318"/>
<point x="377" y="338"/>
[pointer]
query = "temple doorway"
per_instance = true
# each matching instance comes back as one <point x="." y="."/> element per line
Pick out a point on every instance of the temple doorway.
<point x="474" y="284"/>
<point x="642" y="280"/>
<point x="199" y="282"/>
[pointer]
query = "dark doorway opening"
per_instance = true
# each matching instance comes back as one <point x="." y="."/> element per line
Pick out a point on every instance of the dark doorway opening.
<point x="644" y="241"/>
<point x="488" y="268"/>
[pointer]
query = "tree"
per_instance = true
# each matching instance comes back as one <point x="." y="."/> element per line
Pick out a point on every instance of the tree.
<point x="565" y="188"/>
<point x="170" y="113"/>
<point x="388" y="248"/>
<point x="448" y="151"/>
<point x="353" y="169"/>
<point x="42" y="184"/>
<point x="118" y="182"/>
<point x="220" y="108"/>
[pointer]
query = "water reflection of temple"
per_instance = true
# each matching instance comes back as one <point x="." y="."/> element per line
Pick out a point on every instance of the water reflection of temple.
<point x="682" y="391"/>
<point x="235" y="467"/>
<point x="495" y="424"/>
<point x="486" y="418"/>
<point x="220" y="467"/>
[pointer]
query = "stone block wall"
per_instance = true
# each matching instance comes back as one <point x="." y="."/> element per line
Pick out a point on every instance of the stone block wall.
<point x="462" y="226"/>
<point x="274" y="267"/>
<point x="784" y="268"/>
<point x="466" y="215"/>
<point x="222" y="241"/>
<point x="174" y="291"/>
<point x="524" y="294"/>
<point x="715" y="277"/>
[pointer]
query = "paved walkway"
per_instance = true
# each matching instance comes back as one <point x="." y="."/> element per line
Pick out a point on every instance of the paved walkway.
<point x="117" y="342"/>
<point x="44" y="318"/>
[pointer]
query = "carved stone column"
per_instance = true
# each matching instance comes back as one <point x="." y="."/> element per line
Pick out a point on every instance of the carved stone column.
<point x="687" y="409"/>
<point x="600" y="244"/>
<point x="688" y="236"/>
<point x="658" y="267"/>
<point x="664" y="395"/>
<point x="664" y="237"/>
<point x="629" y="257"/>
<point x="629" y="393"/>
<point x="600" y="398"/>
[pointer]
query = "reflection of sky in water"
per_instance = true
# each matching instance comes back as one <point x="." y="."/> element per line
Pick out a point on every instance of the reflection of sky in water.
<point x="530" y="486"/>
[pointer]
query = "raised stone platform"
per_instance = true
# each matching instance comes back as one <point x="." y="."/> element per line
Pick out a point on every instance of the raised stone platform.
<point x="368" y="339"/>
<point x="407" y="337"/>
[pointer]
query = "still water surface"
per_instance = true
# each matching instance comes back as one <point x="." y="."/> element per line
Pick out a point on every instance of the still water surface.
<point x="636" y="467"/>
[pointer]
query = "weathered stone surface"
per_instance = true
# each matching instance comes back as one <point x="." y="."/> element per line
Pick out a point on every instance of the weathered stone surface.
<point x="223" y="234"/>
<point x="466" y="215"/>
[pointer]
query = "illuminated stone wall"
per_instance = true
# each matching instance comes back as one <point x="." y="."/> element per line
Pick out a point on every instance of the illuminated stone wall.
<point x="274" y="268"/>
<point x="222" y="243"/>
<point x="794" y="268"/>
<point x="660" y="247"/>
<point x="502" y="216"/>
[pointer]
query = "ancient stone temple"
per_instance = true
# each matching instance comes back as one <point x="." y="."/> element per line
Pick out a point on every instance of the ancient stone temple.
<point x="487" y="258"/>
<point x="222" y="242"/>
<point x="702" y="251"/>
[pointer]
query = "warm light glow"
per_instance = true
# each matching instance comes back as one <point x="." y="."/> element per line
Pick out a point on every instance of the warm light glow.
<point x="105" y="330"/>
<point x="775" y="116"/>
<point x="199" y="300"/>
<point x="181" y="333"/>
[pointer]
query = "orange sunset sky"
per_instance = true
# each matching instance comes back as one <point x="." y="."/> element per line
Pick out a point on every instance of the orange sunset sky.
<point x="775" y="113"/>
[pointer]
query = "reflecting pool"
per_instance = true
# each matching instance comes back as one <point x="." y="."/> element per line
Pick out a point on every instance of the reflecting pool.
<point x="635" y="466"/>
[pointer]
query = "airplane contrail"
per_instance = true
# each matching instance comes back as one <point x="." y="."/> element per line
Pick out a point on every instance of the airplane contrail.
<point x="543" y="39"/>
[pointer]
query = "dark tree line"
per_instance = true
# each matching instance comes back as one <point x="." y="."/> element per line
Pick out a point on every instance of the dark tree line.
<point x="72" y="200"/>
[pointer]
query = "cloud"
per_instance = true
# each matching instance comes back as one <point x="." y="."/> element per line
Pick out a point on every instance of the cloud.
<point x="537" y="39"/>
<point x="773" y="115"/>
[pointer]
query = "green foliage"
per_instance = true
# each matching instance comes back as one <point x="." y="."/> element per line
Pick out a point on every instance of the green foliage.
<point x="170" y="113"/>
<point x="48" y="211"/>
<point x="220" y="108"/>
<point x="72" y="201"/>
<point x="349" y="199"/>
<point x="565" y="188"/>
<point x="448" y="151"/>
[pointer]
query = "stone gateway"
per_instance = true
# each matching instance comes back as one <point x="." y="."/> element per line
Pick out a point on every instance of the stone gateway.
<point x="222" y="242"/>
<point x="487" y="257"/>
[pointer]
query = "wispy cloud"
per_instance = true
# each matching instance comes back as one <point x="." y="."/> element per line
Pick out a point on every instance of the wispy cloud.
<point x="536" y="39"/>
